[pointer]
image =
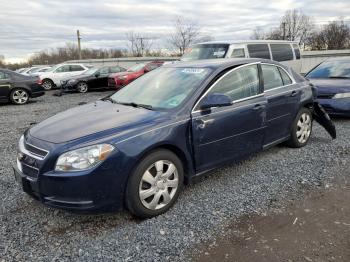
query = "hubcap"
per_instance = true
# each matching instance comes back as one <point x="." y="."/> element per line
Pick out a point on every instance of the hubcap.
<point x="304" y="128"/>
<point x="82" y="87"/>
<point x="20" y="96"/>
<point x="158" y="185"/>
<point x="47" y="85"/>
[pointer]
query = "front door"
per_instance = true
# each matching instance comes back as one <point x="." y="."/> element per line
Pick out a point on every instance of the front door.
<point x="5" y="85"/>
<point x="232" y="132"/>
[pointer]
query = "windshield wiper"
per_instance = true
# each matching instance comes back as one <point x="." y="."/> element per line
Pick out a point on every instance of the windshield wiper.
<point x="149" y="107"/>
<point x="109" y="99"/>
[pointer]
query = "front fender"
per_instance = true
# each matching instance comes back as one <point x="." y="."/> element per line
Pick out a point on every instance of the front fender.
<point x="321" y="117"/>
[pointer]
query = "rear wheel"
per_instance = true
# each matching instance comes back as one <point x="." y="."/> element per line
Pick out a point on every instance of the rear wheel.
<point x="301" y="129"/>
<point x="82" y="87"/>
<point x="19" y="96"/>
<point x="47" y="84"/>
<point x="155" y="184"/>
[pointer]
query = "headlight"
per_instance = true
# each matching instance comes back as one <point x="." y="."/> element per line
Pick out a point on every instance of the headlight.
<point x="72" y="81"/>
<point x="122" y="77"/>
<point x="83" y="158"/>
<point x="342" y="95"/>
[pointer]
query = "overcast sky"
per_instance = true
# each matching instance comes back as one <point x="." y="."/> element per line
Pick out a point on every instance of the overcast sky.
<point x="28" y="26"/>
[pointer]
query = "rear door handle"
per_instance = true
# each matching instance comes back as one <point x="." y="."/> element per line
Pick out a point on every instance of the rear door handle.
<point x="294" y="93"/>
<point x="258" y="107"/>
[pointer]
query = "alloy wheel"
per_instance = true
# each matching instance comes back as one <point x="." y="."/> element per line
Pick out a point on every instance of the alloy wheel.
<point x="303" y="128"/>
<point x="20" y="97"/>
<point x="82" y="87"/>
<point x="158" y="185"/>
<point x="47" y="85"/>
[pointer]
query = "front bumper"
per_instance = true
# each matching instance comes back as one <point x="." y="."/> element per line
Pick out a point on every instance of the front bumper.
<point x="98" y="189"/>
<point x="339" y="106"/>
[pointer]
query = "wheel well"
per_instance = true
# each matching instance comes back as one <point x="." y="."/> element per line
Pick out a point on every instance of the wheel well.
<point x="308" y="105"/>
<point x="177" y="151"/>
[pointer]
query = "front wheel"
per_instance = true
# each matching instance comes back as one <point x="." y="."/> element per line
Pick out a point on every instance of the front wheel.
<point x="48" y="84"/>
<point x="82" y="87"/>
<point x="301" y="129"/>
<point x="155" y="184"/>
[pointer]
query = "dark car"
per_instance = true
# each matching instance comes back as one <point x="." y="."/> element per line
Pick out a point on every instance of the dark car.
<point x="18" y="88"/>
<point x="332" y="79"/>
<point x="122" y="79"/>
<point x="94" y="78"/>
<point x="137" y="147"/>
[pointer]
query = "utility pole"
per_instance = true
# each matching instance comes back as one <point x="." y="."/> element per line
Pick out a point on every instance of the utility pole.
<point x="284" y="30"/>
<point x="79" y="46"/>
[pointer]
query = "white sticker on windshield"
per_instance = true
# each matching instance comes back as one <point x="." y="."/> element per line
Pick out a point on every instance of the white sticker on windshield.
<point x="219" y="53"/>
<point x="193" y="70"/>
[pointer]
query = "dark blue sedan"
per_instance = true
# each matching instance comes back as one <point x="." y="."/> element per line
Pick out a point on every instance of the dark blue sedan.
<point x="138" y="147"/>
<point x="332" y="79"/>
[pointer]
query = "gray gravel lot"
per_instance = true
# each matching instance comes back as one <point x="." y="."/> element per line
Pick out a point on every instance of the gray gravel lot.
<point x="30" y="231"/>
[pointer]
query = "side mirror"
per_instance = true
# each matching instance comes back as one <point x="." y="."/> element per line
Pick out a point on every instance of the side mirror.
<point x="215" y="100"/>
<point x="97" y="74"/>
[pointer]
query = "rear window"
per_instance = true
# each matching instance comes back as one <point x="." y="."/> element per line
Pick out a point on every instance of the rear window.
<point x="205" y="51"/>
<point x="281" y="52"/>
<point x="259" y="51"/>
<point x="296" y="51"/>
<point x="331" y="69"/>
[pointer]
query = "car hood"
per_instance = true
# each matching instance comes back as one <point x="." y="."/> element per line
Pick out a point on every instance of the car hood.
<point x="331" y="86"/>
<point x="101" y="117"/>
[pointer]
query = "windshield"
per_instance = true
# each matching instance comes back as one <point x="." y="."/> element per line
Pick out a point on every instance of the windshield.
<point x="205" y="51"/>
<point x="136" y="68"/>
<point x="331" y="69"/>
<point x="164" y="88"/>
<point x="91" y="71"/>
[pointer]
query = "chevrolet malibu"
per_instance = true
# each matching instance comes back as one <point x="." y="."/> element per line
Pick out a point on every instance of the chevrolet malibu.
<point x="138" y="147"/>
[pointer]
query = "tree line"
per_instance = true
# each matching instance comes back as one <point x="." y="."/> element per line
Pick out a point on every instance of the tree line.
<point x="294" y="25"/>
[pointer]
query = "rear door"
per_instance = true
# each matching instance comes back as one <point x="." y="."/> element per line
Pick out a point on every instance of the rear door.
<point x="5" y="85"/>
<point x="232" y="132"/>
<point x="283" y="98"/>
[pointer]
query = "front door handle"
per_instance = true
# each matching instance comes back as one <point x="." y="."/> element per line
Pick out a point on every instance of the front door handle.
<point x="203" y="123"/>
<point x="294" y="93"/>
<point x="258" y="107"/>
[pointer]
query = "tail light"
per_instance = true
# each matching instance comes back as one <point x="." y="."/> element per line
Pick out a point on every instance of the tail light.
<point x="39" y="81"/>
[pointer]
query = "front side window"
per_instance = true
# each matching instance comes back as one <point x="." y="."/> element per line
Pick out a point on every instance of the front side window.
<point x="4" y="76"/>
<point x="238" y="84"/>
<point x="164" y="88"/>
<point x="281" y="52"/>
<point x="259" y="51"/>
<point x="331" y="69"/>
<point x="238" y="53"/>
<point x="62" y="69"/>
<point x="104" y="71"/>
<point x="205" y="51"/>
<point x="272" y="77"/>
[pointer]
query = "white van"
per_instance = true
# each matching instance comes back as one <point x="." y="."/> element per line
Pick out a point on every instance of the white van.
<point x="286" y="52"/>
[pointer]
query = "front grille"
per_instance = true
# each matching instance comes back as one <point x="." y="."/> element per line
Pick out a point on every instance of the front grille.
<point x="30" y="171"/>
<point x="35" y="150"/>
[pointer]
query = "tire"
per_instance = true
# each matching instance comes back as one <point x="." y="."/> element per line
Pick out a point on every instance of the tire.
<point x="82" y="87"/>
<point x="47" y="84"/>
<point x="301" y="129"/>
<point x="19" y="96"/>
<point x="159" y="188"/>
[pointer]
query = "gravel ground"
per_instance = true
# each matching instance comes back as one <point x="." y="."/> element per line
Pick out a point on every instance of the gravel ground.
<point x="30" y="231"/>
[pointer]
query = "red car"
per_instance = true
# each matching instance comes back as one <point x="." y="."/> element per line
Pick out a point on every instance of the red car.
<point x="123" y="78"/>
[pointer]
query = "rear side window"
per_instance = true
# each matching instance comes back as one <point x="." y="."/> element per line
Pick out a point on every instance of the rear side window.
<point x="259" y="51"/>
<point x="63" y="69"/>
<point x="239" y="84"/>
<point x="272" y="77"/>
<point x="238" y="52"/>
<point x="76" y="68"/>
<point x="281" y="52"/>
<point x="296" y="51"/>
<point x="285" y="78"/>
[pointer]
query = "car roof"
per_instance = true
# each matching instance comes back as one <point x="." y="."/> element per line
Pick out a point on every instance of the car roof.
<point x="220" y="63"/>
<point x="249" y="42"/>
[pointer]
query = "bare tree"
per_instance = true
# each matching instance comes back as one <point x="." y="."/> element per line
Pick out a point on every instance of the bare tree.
<point x="258" y="34"/>
<point x="336" y="35"/>
<point x="295" y="26"/>
<point x="139" y="44"/>
<point x="185" y="33"/>
<point x="2" y="61"/>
